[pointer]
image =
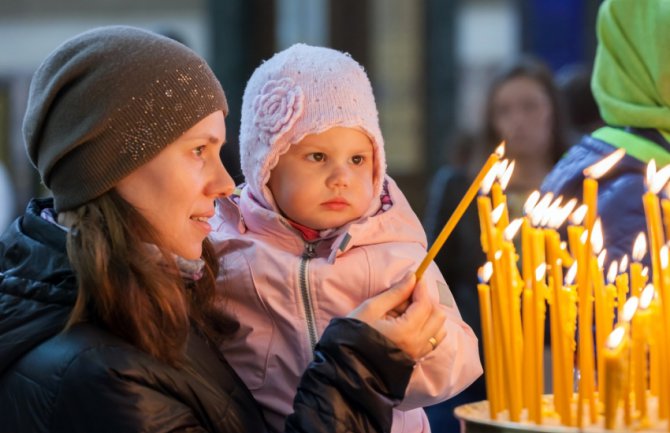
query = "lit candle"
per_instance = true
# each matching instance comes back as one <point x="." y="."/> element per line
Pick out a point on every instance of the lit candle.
<point x="459" y="211"/>
<point x="652" y="213"/>
<point x="639" y="349"/>
<point x="491" y="379"/>
<point x="629" y="310"/>
<point x="615" y="370"/>
<point x="636" y="278"/>
<point x="622" y="284"/>
<point x="505" y="171"/>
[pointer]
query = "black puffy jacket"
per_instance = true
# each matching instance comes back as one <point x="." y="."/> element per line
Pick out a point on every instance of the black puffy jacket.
<point x="89" y="380"/>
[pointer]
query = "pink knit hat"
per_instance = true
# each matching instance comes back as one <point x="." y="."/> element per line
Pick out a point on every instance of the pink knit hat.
<point x="300" y="91"/>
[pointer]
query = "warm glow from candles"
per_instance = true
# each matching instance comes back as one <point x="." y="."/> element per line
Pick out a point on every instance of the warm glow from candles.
<point x="612" y="272"/>
<point x="571" y="274"/>
<point x="531" y="201"/>
<point x="597" y="170"/>
<point x="512" y="229"/>
<point x="577" y="217"/>
<point x="640" y="247"/>
<point x="629" y="309"/>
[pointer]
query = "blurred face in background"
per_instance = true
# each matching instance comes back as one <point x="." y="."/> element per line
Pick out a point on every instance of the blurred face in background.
<point x="522" y="116"/>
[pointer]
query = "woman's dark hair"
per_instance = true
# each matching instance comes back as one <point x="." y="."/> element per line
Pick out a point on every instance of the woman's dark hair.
<point x="133" y="292"/>
<point x="535" y="69"/>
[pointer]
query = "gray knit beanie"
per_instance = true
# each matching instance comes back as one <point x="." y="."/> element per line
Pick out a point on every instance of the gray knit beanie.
<point x="106" y="102"/>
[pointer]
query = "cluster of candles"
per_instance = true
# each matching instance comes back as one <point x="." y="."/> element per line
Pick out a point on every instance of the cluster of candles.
<point x="613" y="327"/>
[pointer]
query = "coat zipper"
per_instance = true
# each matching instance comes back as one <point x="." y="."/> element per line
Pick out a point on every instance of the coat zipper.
<point x="307" y="255"/>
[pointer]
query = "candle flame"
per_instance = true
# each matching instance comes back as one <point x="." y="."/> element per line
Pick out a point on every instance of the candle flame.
<point x="597" y="170"/>
<point x="571" y="274"/>
<point x="651" y="171"/>
<point x="664" y="256"/>
<point x="578" y="215"/>
<point x="497" y="213"/>
<point x="539" y="211"/>
<point x="488" y="180"/>
<point x="500" y="150"/>
<point x="498" y="255"/>
<point x="612" y="271"/>
<point x="629" y="308"/>
<point x="640" y="247"/>
<point x="601" y="259"/>
<point x="660" y="179"/>
<point x="507" y="175"/>
<point x="484" y="272"/>
<point x="615" y="338"/>
<point x="512" y="229"/>
<point x="646" y="297"/>
<point x="540" y="271"/>
<point x="583" y="238"/>
<point x="597" y="236"/>
<point x="563" y="245"/>
<point x="563" y="213"/>
<point x="551" y="217"/>
<point x="645" y="272"/>
<point x="531" y="201"/>
<point x="623" y="265"/>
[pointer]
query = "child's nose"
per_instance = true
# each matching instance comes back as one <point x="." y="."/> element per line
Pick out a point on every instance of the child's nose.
<point x="340" y="176"/>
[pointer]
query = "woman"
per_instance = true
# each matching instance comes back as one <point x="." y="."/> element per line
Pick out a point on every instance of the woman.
<point x="106" y="291"/>
<point x="524" y="108"/>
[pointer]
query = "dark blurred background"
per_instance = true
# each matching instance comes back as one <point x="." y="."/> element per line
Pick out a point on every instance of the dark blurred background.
<point x="429" y="60"/>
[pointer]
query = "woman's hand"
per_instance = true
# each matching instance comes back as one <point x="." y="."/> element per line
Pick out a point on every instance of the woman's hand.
<point x="418" y="329"/>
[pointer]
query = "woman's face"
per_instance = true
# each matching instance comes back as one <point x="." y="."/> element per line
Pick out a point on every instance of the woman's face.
<point x="175" y="191"/>
<point x="522" y="116"/>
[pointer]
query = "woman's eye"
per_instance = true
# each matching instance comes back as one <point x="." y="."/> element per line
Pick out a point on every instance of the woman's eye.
<point x="199" y="150"/>
<point x="317" y="156"/>
<point x="357" y="159"/>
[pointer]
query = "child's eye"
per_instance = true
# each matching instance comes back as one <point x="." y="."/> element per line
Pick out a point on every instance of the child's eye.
<point x="316" y="156"/>
<point x="358" y="159"/>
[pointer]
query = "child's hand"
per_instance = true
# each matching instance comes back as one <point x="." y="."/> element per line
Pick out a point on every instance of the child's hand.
<point x="416" y="327"/>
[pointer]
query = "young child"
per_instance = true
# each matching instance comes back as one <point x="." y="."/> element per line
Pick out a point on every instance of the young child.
<point x="317" y="219"/>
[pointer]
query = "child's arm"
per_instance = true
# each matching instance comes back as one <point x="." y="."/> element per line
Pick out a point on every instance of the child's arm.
<point x="454" y="364"/>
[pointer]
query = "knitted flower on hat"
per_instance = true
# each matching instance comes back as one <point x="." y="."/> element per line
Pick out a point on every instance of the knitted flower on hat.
<point x="300" y="91"/>
<point x="276" y="108"/>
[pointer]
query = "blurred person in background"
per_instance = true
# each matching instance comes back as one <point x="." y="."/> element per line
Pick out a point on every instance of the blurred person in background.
<point x="630" y="86"/>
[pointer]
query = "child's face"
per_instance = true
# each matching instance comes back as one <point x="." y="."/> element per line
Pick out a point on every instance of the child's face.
<point x="325" y="180"/>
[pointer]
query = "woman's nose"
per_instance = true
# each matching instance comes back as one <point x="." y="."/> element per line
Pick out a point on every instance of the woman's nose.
<point x="223" y="184"/>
